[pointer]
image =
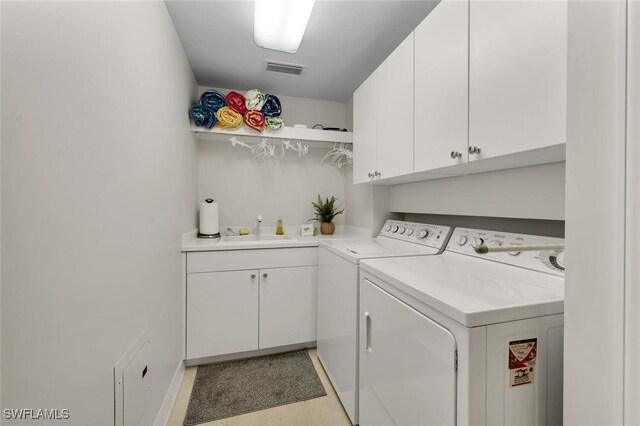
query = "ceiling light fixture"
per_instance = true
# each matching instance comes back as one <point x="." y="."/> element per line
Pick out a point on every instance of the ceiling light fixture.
<point x="280" y="24"/>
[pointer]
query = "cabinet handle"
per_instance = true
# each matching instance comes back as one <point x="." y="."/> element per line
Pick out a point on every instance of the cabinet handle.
<point x="368" y="331"/>
<point x="377" y="173"/>
<point x="456" y="154"/>
<point x="370" y="174"/>
<point x="474" y="149"/>
<point x="265" y="275"/>
<point x="253" y="276"/>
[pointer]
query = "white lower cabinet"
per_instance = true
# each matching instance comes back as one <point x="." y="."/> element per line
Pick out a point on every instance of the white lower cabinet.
<point x="288" y="305"/>
<point x="222" y="313"/>
<point x="231" y="312"/>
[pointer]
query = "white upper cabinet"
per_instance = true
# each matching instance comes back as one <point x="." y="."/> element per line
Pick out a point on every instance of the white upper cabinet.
<point x="395" y="113"/>
<point x="441" y="92"/>
<point x="383" y="119"/>
<point x="488" y="81"/>
<point x="518" y="76"/>
<point x="365" y="132"/>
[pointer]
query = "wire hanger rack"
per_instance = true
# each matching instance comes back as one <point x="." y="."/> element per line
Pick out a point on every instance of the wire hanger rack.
<point x="339" y="156"/>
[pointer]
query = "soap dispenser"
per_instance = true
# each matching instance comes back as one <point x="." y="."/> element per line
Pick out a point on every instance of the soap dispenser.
<point x="279" y="227"/>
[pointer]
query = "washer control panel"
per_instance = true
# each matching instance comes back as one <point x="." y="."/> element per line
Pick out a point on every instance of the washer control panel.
<point x="465" y="240"/>
<point x="421" y="233"/>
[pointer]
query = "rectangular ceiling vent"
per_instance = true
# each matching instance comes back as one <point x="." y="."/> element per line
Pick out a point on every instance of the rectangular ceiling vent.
<point x="291" y="69"/>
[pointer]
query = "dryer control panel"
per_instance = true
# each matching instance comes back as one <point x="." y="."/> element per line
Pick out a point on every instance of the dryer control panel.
<point x="465" y="241"/>
<point x="435" y="236"/>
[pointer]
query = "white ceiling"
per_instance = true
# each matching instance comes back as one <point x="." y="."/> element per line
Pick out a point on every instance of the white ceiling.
<point x="344" y="42"/>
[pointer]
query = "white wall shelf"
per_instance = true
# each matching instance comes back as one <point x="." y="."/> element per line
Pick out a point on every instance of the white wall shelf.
<point x="315" y="137"/>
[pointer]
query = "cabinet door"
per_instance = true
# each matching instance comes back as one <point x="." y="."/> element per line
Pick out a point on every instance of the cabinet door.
<point x="407" y="364"/>
<point x="518" y="75"/>
<point x="288" y="305"/>
<point x="222" y="313"/>
<point x="395" y="112"/>
<point x="365" y="134"/>
<point x="441" y="92"/>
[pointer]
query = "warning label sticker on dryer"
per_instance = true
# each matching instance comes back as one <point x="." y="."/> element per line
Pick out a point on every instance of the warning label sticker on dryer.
<point x="522" y="361"/>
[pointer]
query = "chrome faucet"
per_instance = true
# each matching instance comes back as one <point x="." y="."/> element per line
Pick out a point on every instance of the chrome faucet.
<point x="256" y="225"/>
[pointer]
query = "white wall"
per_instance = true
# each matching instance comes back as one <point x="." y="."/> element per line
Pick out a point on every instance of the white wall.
<point x="595" y="233"/>
<point x="98" y="184"/>
<point x="359" y="200"/>
<point x="535" y="192"/>
<point x="0" y="201"/>
<point x="246" y="188"/>
<point x="632" y="281"/>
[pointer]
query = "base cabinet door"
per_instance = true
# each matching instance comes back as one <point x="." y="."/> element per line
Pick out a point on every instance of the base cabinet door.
<point x="407" y="364"/>
<point x="222" y="313"/>
<point x="288" y="305"/>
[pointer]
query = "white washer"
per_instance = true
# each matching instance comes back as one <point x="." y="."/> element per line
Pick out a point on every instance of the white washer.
<point x="338" y="278"/>
<point x="462" y="338"/>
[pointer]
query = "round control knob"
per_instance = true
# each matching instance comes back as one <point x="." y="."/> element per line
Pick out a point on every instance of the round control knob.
<point x="495" y="243"/>
<point x="515" y="253"/>
<point x="423" y="234"/>
<point x="410" y="232"/>
<point x="462" y="240"/>
<point x="477" y="241"/>
<point x="388" y="228"/>
<point x="556" y="260"/>
<point x="402" y="230"/>
<point x="395" y="228"/>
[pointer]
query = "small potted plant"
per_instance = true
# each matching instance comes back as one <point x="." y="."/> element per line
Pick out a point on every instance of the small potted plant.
<point x="325" y="211"/>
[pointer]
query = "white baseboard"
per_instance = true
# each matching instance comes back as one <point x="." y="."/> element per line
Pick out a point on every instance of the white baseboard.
<point x="165" y="410"/>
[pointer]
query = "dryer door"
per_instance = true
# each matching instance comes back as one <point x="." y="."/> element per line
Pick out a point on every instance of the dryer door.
<point x="407" y="364"/>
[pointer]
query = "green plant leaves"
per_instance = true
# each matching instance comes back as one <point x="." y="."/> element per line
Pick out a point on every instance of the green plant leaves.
<point x="325" y="210"/>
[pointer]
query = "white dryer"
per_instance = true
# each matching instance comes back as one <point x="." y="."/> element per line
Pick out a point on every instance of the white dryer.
<point x="338" y="278"/>
<point x="462" y="338"/>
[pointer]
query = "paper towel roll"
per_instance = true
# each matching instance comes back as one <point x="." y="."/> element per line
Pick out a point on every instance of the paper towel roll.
<point x="209" y="216"/>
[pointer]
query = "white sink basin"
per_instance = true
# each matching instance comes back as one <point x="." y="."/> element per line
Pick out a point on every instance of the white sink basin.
<point x="253" y="238"/>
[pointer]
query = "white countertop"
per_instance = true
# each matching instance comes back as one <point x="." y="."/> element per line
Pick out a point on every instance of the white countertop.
<point x="191" y="242"/>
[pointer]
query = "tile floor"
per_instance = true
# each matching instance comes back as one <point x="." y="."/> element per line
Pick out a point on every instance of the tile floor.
<point x="323" y="411"/>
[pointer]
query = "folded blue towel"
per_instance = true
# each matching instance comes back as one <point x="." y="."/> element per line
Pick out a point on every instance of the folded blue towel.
<point x="272" y="106"/>
<point x="203" y="116"/>
<point x="213" y="99"/>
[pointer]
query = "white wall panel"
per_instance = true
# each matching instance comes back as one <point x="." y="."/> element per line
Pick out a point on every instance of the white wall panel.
<point x="594" y="292"/>
<point x="535" y="192"/>
<point x="632" y="281"/>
